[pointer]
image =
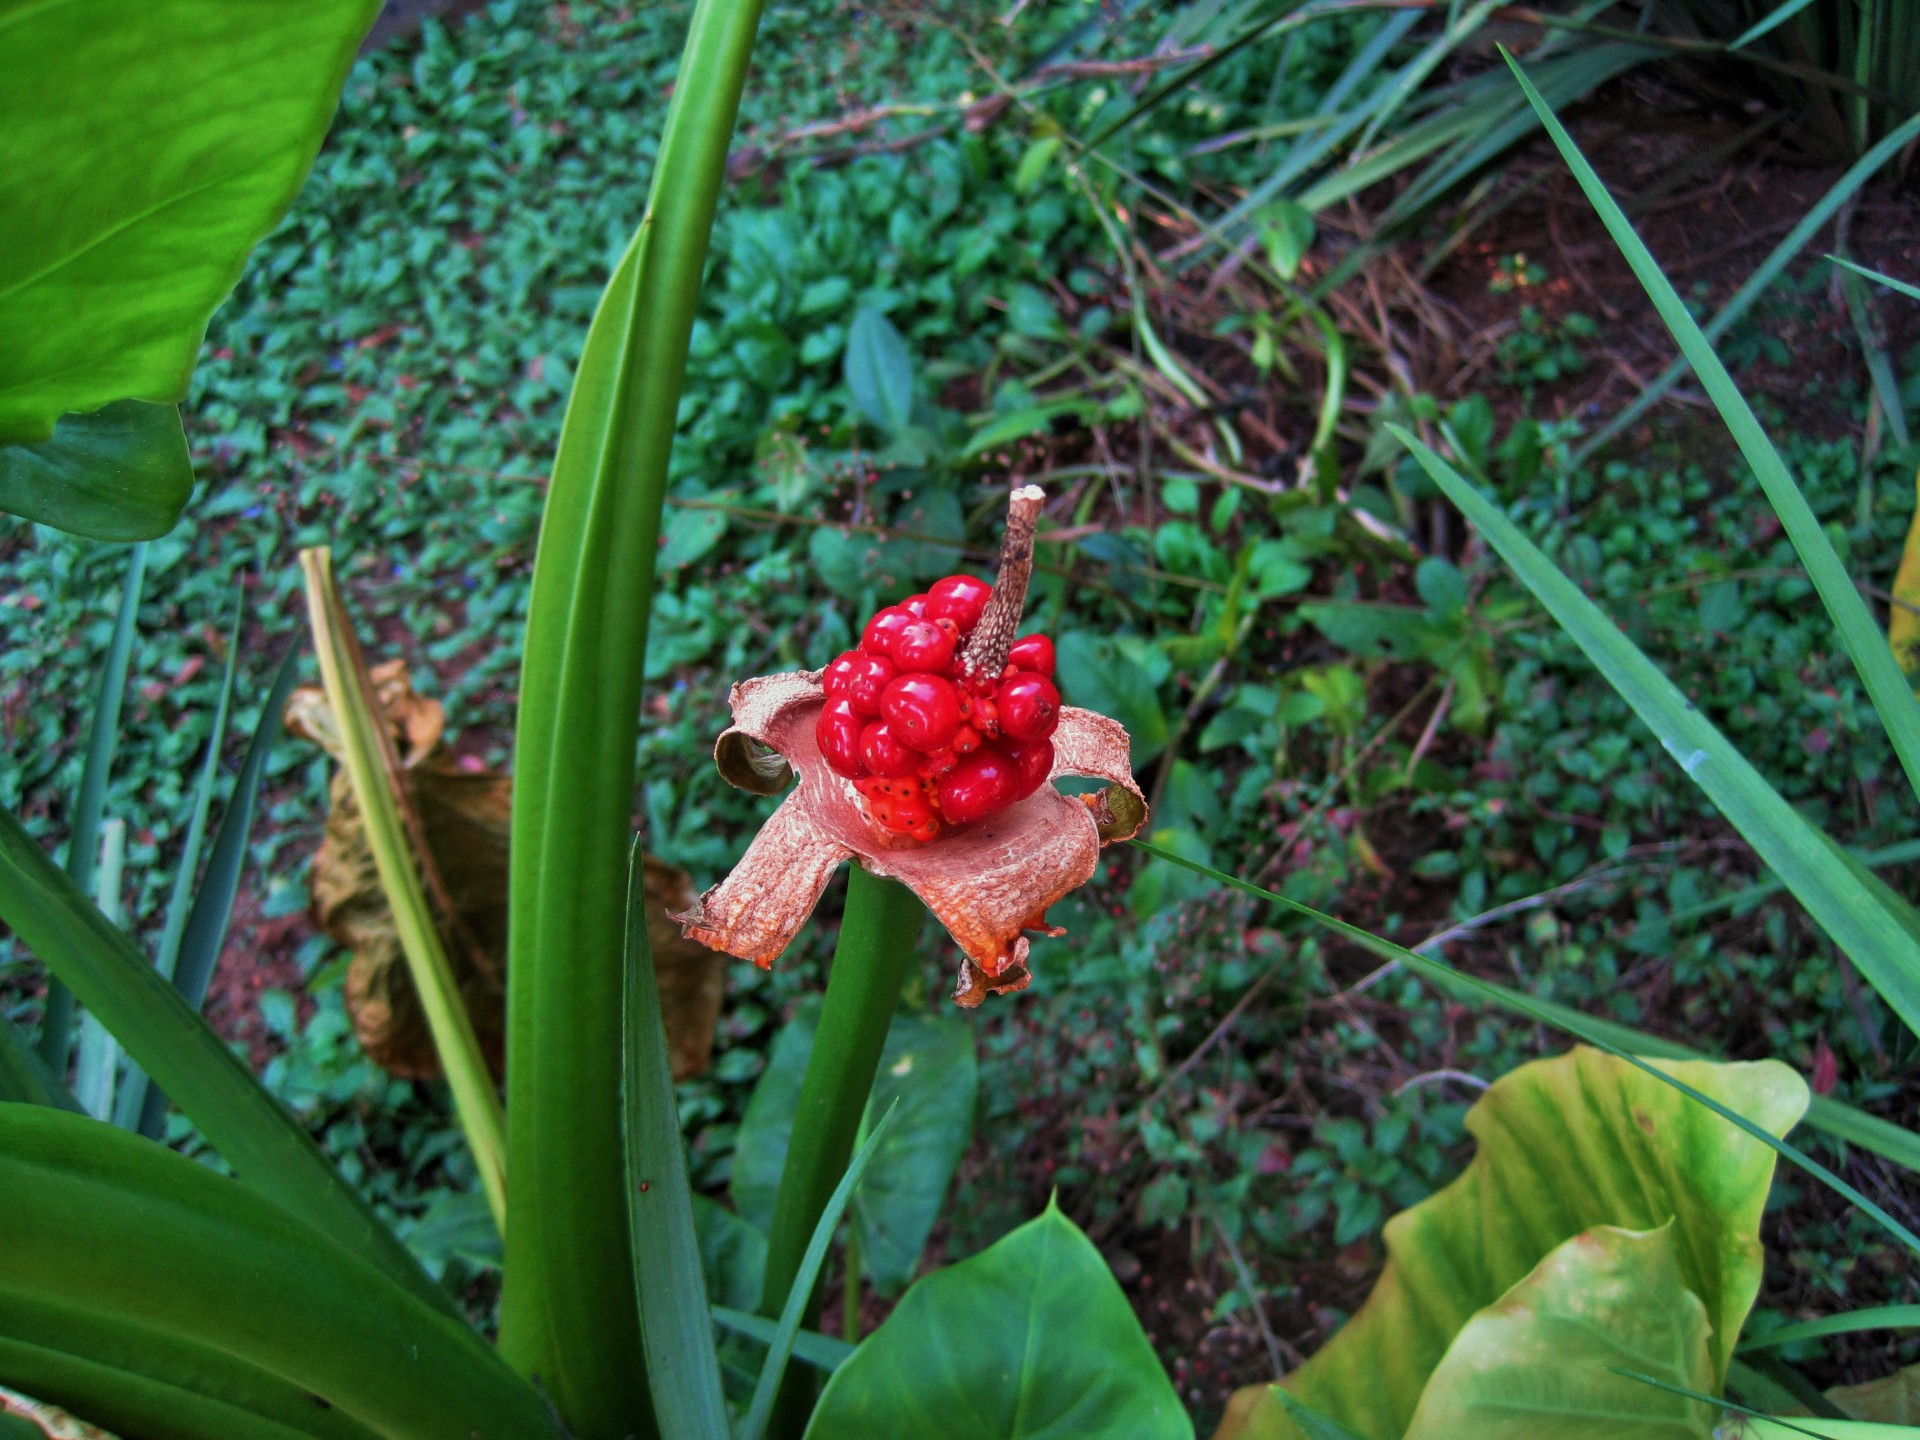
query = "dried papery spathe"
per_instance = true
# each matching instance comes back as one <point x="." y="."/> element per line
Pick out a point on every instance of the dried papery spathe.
<point x="987" y="882"/>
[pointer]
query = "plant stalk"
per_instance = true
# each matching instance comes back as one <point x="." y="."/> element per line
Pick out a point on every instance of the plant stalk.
<point x="877" y="942"/>
<point x="567" y="1311"/>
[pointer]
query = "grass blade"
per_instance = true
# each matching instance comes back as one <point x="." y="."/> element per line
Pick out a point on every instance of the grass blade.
<point x="265" y="1145"/>
<point x="1778" y="258"/>
<point x="1911" y="128"/>
<point x="780" y="1348"/>
<point x="133" y="1094"/>
<point x="90" y="804"/>
<point x="568" y="1289"/>
<point x="373" y="769"/>
<point x="670" y="1285"/>
<point x="1570" y="1022"/>
<point x="1877" y="1317"/>
<point x="1834" y="894"/>
<point x="1860" y="637"/>
<point x="206" y="927"/>
<point x="1779" y="16"/>
<point x="1886" y="388"/>
<point x="823" y="1352"/>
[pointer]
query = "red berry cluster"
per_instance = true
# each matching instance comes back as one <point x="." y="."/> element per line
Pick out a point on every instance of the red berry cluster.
<point x="922" y="742"/>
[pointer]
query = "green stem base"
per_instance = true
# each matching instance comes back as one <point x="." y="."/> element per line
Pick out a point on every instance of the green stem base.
<point x="877" y="942"/>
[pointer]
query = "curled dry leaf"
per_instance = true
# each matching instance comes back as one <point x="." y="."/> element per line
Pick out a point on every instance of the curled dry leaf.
<point x="54" y="1424"/>
<point x="988" y="882"/>
<point x="464" y="814"/>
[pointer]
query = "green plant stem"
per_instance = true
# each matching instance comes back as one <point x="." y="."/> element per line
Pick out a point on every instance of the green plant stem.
<point x="567" y="1309"/>
<point x="877" y="940"/>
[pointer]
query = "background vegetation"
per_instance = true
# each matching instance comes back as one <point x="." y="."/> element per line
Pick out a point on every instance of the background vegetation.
<point x="1229" y="1105"/>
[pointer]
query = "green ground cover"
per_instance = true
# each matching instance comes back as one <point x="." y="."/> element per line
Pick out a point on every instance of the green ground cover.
<point x="388" y="379"/>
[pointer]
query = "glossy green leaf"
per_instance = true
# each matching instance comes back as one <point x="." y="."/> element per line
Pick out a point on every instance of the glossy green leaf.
<point x="671" y="1290"/>
<point x="119" y="473"/>
<point x="111" y="1226"/>
<point x="1032" y="1339"/>
<point x="733" y="1255"/>
<point x="879" y="370"/>
<point x="1833" y="893"/>
<point x="1854" y="626"/>
<point x="148" y="145"/>
<point x="1544" y="1358"/>
<point x="1564" y="1145"/>
<point x="162" y="1034"/>
<point x="567" y="1307"/>
<point x="928" y="1067"/>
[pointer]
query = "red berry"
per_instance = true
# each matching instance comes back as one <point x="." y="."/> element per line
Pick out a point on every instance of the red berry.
<point x="838" y="731"/>
<point x="984" y="782"/>
<point x="940" y="762"/>
<point x="966" y="739"/>
<point x="867" y="679"/>
<point x="877" y="638"/>
<point x="884" y="755"/>
<point x="1033" y="652"/>
<point x="959" y="598"/>
<point x="922" y="646"/>
<point x="834" y="679"/>
<point x="922" y="711"/>
<point x="1029" y="707"/>
<point x="1032" y="760"/>
<point x="986" y="715"/>
<point x="916" y="606"/>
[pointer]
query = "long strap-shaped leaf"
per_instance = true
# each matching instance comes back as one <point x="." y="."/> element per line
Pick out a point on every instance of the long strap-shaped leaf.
<point x="399" y="851"/>
<point x="117" y="1399"/>
<point x="1859" y="636"/>
<point x="90" y="804"/>
<point x="567" y="1307"/>
<point x="684" y="1367"/>
<point x="133" y="1094"/>
<point x="108" y="1223"/>
<point x="151" y="1381"/>
<point x="1832" y="891"/>
<point x="167" y="1039"/>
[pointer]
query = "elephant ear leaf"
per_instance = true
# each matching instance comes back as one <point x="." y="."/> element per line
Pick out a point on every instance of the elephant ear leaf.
<point x="148" y="146"/>
<point x="1032" y="1339"/>
<point x="1559" y="1353"/>
<point x="121" y="473"/>
<point x="1565" y="1145"/>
